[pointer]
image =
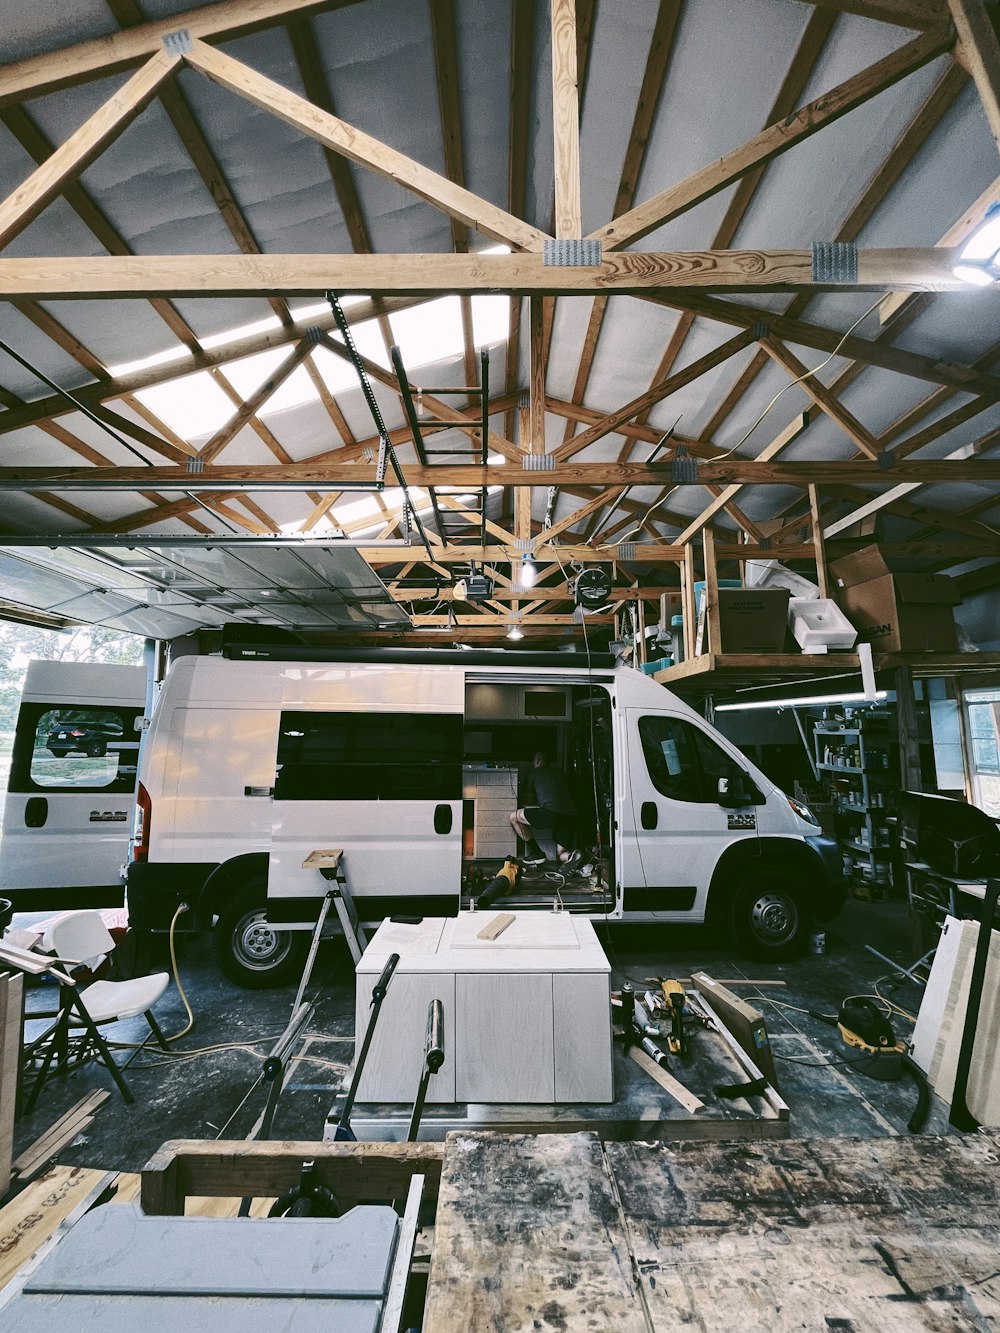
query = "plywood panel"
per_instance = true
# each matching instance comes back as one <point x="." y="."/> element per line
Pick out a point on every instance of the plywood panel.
<point x="11" y="984"/>
<point x="505" y="1049"/>
<point x="528" y="1236"/>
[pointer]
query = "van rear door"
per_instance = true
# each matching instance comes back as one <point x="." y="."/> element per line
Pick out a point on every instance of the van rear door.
<point x="369" y="761"/>
<point x="678" y="827"/>
<point x="68" y="812"/>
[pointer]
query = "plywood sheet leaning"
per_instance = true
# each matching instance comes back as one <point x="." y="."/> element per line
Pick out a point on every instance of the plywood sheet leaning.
<point x="10" y="1056"/>
<point x="937" y="1037"/>
<point x="529" y="1236"/>
<point x="894" y="1235"/>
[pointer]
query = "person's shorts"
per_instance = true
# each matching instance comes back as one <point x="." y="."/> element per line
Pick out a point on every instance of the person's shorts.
<point x="559" y="825"/>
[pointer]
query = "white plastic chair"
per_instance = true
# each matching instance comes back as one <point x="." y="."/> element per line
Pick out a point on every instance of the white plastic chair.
<point x="81" y="938"/>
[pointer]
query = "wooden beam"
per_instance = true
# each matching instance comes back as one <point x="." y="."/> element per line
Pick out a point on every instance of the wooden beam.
<point x="631" y="274"/>
<point x="610" y="423"/>
<point x="362" y="149"/>
<point x="773" y="141"/>
<point x="822" y="397"/>
<point x="29" y="414"/>
<point x="472" y="476"/>
<point x="979" y="50"/>
<point x="791" y="432"/>
<point x="80" y="149"/>
<point x="105" y="56"/>
<point x="565" y="119"/>
<point x="925" y="14"/>
<point x="822" y="573"/>
<point x="803" y="334"/>
<point x="249" y="409"/>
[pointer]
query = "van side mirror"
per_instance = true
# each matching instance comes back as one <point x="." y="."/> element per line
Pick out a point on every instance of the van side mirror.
<point x="735" y="792"/>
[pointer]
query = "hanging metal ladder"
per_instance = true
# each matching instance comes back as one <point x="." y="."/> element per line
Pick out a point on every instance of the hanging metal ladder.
<point x="452" y="527"/>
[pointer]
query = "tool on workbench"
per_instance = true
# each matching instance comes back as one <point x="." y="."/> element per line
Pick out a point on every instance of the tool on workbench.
<point x="638" y="1030"/>
<point x="433" y="1060"/>
<point x="675" y="998"/>
<point x="344" y="1130"/>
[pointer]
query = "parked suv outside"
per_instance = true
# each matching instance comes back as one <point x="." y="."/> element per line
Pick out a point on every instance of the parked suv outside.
<point x="84" y="734"/>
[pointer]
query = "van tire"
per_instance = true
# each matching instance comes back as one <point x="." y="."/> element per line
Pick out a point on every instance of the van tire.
<point x="248" y="950"/>
<point x="767" y="918"/>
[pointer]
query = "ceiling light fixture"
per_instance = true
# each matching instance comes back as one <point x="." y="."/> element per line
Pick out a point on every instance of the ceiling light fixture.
<point x="979" y="261"/>
<point x="515" y="632"/>
<point x="529" y="571"/>
<point x="804" y="702"/>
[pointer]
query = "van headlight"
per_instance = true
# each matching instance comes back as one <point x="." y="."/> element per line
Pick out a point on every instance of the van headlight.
<point x="803" y="811"/>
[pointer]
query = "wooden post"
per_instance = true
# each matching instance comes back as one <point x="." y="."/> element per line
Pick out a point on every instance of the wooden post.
<point x="822" y="574"/>
<point x="906" y="726"/>
<point x="688" y="609"/>
<point x="640" y="627"/>
<point x="713" y="632"/>
<point x="566" y="120"/>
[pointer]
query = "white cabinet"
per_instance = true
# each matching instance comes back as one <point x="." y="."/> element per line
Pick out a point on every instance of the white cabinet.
<point x="527" y="1016"/>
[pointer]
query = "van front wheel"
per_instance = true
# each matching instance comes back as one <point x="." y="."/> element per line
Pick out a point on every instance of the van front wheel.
<point x="767" y="917"/>
<point x="252" y="952"/>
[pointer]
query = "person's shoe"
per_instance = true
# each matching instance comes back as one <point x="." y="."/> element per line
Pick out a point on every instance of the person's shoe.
<point x="530" y="862"/>
<point x="572" y="862"/>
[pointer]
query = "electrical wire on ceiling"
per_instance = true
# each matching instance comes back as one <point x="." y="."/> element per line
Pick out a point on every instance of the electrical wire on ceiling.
<point x="373" y="407"/>
<point x="80" y="407"/>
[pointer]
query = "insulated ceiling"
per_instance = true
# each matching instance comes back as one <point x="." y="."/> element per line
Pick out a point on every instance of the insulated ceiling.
<point x="584" y="386"/>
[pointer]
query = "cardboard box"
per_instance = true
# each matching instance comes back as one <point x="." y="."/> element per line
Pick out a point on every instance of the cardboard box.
<point x="751" y="620"/>
<point x="895" y="612"/>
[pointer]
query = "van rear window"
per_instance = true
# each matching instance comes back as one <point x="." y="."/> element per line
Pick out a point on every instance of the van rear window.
<point x="74" y="748"/>
<point x="369" y="757"/>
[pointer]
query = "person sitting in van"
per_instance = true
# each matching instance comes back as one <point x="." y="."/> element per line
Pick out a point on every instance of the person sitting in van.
<point x="552" y="817"/>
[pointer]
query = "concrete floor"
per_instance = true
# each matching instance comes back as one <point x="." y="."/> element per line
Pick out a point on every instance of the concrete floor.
<point x="213" y="1095"/>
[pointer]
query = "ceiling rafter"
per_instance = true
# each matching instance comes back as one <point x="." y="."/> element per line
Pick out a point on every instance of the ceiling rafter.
<point x="77" y="64"/>
<point x="773" y="141"/>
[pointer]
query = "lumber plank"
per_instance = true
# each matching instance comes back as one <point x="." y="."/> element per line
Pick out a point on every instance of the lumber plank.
<point x="667" y="1082"/>
<point x="744" y="1021"/>
<point x="495" y="928"/>
<point x="240" y="1169"/>
<point x="70" y="159"/>
<point x="528" y="1235"/>
<point x="11" y="1000"/>
<point x="566" y="119"/>
<point x="36" y="1212"/>
<point x="104" y="56"/>
<point x="979" y="49"/>
<point x="773" y="140"/>
<point x="645" y="273"/>
<point x="362" y="149"/>
<point x="60" y="1132"/>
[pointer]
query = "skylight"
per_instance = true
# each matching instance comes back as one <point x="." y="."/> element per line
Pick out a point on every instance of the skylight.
<point x="195" y="407"/>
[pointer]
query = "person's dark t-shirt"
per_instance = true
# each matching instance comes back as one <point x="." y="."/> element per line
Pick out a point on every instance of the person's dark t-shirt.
<point x="552" y="790"/>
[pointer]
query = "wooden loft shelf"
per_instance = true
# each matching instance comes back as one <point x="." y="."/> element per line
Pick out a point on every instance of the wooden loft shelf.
<point x="713" y="671"/>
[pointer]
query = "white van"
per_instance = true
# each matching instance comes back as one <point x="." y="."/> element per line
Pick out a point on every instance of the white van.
<point x="71" y="792"/>
<point x="411" y="762"/>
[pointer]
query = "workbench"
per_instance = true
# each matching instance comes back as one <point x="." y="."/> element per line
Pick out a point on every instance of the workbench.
<point x="890" y="1235"/>
<point x="527" y="1014"/>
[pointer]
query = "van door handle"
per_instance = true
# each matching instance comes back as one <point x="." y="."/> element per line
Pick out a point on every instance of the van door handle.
<point x="648" y="815"/>
<point x="36" y="812"/>
<point x="442" y="819"/>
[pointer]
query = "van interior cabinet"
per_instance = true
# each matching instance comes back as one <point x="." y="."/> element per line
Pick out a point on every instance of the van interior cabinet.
<point x="527" y="1015"/>
<point x="493" y="792"/>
